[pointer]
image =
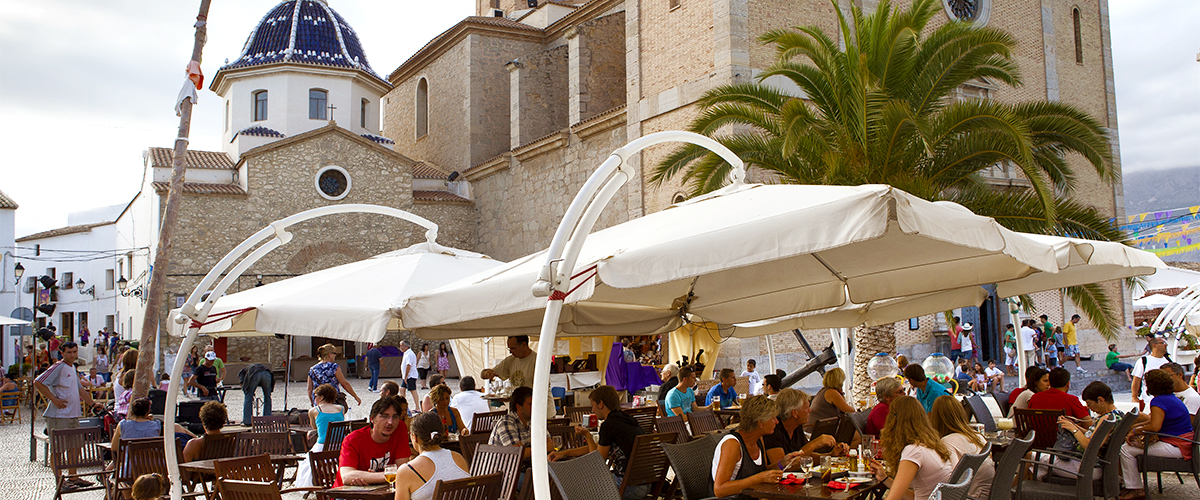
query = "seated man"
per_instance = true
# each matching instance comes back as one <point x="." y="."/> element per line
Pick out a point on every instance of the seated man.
<point x="389" y="389"/>
<point x="1185" y="393"/>
<point x="927" y="390"/>
<point x="771" y="385"/>
<point x="722" y="393"/>
<point x="212" y="416"/>
<point x="617" y="433"/>
<point x="670" y="379"/>
<point x="469" y="401"/>
<point x="513" y="429"/>
<point x="1056" y="398"/>
<point x="92" y="380"/>
<point x="366" y="451"/>
<point x="682" y="398"/>
<point x="886" y="389"/>
<point x="788" y="441"/>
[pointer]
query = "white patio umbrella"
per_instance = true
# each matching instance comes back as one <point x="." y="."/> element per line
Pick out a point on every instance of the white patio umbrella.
<point x="743" y="253"/>
<point x="1156" y="301"/>
<point x="5" y="320"/>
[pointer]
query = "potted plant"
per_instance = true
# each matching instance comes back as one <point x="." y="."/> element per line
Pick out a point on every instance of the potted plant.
<point x="1187" y="349"/>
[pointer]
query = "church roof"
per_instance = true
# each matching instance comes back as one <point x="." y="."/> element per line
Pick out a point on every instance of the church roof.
<point x="162" y="157"/>
<point x="441" y="196"/>
<point x="304" y="32"/>
<point x="62" y="231"/>
<point x="200" y="188"/>
<point x="261" y="131"/>
<point x="6" y="202"/>
<point x="424" y="170"/>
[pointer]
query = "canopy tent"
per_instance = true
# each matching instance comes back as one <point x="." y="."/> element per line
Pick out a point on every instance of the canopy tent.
<point x="5" y="320"/>
<point x="1156" y="301"/>
<point x="1170" y="277"/>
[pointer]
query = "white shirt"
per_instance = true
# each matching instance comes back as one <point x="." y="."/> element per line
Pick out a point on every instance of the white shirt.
<point x="756" y="381"/>
<point x="63" y="382"/>
<point x="992" y="372"/>
<point x="1029" y="338"/>
<point x="469" y="403"/>
<point x="962" y="445"/>
<point x="965" y="342"/>
<point x="1191" y="399"/>
<point x="410" y="360"/>
<point x="1139" y="371"/>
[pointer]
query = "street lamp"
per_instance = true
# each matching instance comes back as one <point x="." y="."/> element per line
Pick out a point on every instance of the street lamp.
<point x="90" y="291"/>
<point x="123" y="283"/>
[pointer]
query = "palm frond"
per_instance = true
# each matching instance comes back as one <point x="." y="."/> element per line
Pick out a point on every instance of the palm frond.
<point x="1095" y="303"/>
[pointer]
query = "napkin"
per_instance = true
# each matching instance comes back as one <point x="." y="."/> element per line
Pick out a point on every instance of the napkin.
<point x="838" y="485"/>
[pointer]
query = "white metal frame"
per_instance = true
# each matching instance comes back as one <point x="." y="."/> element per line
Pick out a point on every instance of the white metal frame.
<point x="1176" y="313"/>
<point x="196" y="311"/>
<point x="554" y="280"/>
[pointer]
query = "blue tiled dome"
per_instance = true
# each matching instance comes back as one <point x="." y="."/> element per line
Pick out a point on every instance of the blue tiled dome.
<point x="305" y="32"/>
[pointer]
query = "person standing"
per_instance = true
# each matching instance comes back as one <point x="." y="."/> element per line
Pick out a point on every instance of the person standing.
<point x="253" y="377"/>
<point x="408" y="373"/>
<point x="966" y="343"/>
<point x="100" y="363"/>
<point x="1029" y="341"/>
<point x="1155" y="359"/>
<point x="518" y="367"/>
<point x="423" y="365"/>
<point x="54" y="342"/>
<point x="372" y="356"/>
<point x="204" y="378"/>
<point x="955" y="341"/>
<point x="1071" y="341"/>
<point x="443" y="360"/>
<point x="1010" y="350"/>
<point x="217" y="362"/>
<point x="754" y="377"/>
<point x="327" y="371"/>
<point x="60" y="386"/>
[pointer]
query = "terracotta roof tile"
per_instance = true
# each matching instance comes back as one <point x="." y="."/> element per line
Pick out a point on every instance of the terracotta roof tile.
<point x="162" y="157"/>
<point x="200" y="188"/>
<point x="439" y="196"/>
<point x="82" y="228"/>
<point x="502" y="22"/>
<point x="426" y="171"/>
<point x="6" y="202"/>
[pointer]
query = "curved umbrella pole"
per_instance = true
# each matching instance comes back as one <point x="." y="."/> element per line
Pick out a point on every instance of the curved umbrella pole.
<point x="274" y="235"/>
<point x="1176" y="313"/>
<point x="554" y="280"/>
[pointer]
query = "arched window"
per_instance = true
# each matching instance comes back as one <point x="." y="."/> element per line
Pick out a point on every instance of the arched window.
<point x="260" y="105"/>
<point x="422" y="108"/>
<point x="1078" y="36"/>
<point x="362" y="113"/>
<point x="317" y="101"/>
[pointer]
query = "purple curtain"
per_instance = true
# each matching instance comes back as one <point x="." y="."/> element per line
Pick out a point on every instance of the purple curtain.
<point x="630" y="377"/>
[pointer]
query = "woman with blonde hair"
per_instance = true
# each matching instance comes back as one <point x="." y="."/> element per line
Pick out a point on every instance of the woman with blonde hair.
<point x="451" y="419"/>
<point x="326" y="371"/>
<point x="917" y="459"/>
<point x="830" y="401"/>
<point x="741" y="457"/>
<point x="950" y="421"/>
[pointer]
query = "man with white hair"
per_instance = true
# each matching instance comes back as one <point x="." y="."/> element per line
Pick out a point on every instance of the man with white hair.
<point x="886" y="389"/>
<point x="408" y="373"/>
<point x="670" y="379"/>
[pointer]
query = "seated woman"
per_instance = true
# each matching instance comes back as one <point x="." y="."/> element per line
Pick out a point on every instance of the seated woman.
<point x="1099" y="400"/>
<point x="1168" y="415"/>
<point x="321" y="415"/>
<point x="139" y="425"/>
<point x="979" y="379"/>
<point x="741" y="457"/>
<point x="1036" y="380"/>
<point x="213" y="416"/>
<point x="950" y="421"/>
<point x="788" y="441"/>
<point x="830" y="401"/>
<point x="917" y="459"/>
<point x="451" y="418"/>
<point x="416" y="479"/>
<point x="434" y="381"/>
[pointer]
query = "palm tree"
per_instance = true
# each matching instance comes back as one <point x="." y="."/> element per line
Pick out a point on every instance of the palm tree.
<point x="884" y="110"/>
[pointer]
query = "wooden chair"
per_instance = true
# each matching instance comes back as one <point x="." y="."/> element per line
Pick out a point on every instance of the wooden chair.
<point x="76" y="449"/>
<point x="470" y="443"/>
<point x="692" y="463"/>
<point x="484" y="422"/>
<point x="140" y="457"/>
<point x="846" y="429"/>
<point x="269" y="423"/>
<point x="324" y="468"/>
<point x="10" y="406"/>
<point x="234" y="489"/>
<point x="704" y="422"/>
<point x="576" y="413"/>
<point x="470" y="488"/>
<point x="256" y="443"/>
<point x="570" y="439"/>
<point x="648" y="463"/>
<point x="645" y="417"/>
<point x="337" y="431"/>
<point x="248" y="468"/>
<point x="218" y="446"/>
<point x="584" y="478"/>
<point x="564" y="421"/>
<point x="675" y="425"/>
<point x="490" y="459"/>
<point x="1044" y="422"/>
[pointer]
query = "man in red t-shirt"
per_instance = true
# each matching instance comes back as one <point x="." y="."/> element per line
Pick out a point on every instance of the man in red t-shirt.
<point x="1056" y="398"/>
<point x="886" y="389"/>
<point x="366" y="451"/>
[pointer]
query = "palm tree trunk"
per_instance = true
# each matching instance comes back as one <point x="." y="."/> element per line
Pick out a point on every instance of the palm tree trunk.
<point x="147" y="348"/>
<point x="869" y="340"/>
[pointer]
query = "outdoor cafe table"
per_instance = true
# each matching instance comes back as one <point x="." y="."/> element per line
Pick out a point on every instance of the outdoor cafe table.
<point x="357" y="493"/>
<point x="206" y="468"/>
<point x="812" y="490"/>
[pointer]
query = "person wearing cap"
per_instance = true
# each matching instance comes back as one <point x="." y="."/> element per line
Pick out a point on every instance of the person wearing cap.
<point x="204" y="377"/>
<point x="217" y="362"/>
<point x="967" y="346"/>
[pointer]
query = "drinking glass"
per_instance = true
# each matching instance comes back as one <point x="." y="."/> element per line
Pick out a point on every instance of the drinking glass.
<point x="389" y="473"/>
<point x="557" y="440"/>
<point x="806" y="463"/>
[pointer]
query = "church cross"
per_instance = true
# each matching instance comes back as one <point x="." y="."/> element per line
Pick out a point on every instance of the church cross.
<point x="331" y="109"/>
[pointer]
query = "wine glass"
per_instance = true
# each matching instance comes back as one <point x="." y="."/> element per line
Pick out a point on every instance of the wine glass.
<point x="389" y="473"/>
<point x="806" y="463"/>
<point x="558" y="442"/>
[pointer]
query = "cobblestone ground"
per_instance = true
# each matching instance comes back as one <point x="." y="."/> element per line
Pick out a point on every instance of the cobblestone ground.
<point x="22" y="479"/>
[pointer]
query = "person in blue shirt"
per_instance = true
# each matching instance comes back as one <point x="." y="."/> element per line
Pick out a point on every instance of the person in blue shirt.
<point x="682" y="399"/>
<point x="724" y="391"/>
<point x="927" y="390"/>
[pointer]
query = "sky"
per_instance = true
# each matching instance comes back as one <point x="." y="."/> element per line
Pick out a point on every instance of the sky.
<point x="87" y="86"/>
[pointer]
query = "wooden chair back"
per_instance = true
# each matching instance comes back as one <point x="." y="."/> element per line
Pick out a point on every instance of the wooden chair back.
<point x="269" y="423"/>
<point x="484" y="422"/>
<point x="234" y="489"/>
<point x="10" y="404"/>
<point x="1044" y="422"/>
<point x="469" y="488"/>
<point x="490" y="459"/>
<point x="648" y="463"/>
<point x="645" y="417"/>
<point x="570" y="439"/>
<point x="846" y="429"/>
<point x="559" y="421"/>
<point x="470" y="443"/>
<point x="575" y="413"/>
<point x="674" y="425"/>
<point x="704" y="422"/>
<point x="257" y="443"/>
<point x="337" y="431"/>
<point x="218" y="446"/>
<point x="76" y="448"/>
<point x="324" y="467"/>
<point x="248" y="468"/>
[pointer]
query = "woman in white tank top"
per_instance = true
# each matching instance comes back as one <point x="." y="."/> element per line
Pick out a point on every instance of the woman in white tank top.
<point x="416" y="479"/>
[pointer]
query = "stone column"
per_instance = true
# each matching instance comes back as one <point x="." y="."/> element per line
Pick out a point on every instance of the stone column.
<point x="514" y="102"/>
<point x="579" y="61"/>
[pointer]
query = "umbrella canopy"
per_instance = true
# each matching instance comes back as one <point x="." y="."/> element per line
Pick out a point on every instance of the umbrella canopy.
<point x="1156" y="301"/>
<point x="5" y="320"/>
<point x="349" y="302"/>
<point x="742" y="254"/>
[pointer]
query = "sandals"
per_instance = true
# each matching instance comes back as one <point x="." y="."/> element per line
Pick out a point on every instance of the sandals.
<point x="1133" y="495"/>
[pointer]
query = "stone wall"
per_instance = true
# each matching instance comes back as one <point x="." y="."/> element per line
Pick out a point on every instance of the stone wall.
<point x="538" y="95"/>
<point x="449" y="118"/>
<point x="456" y="222"/>
<point x="597" y="67"/>
<point x="488" y="94"/>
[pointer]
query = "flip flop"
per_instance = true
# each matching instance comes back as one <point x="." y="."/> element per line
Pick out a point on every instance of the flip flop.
<point x="81" y="482"/>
